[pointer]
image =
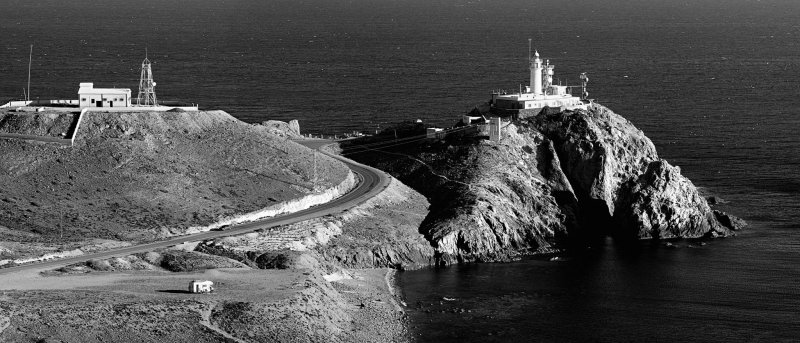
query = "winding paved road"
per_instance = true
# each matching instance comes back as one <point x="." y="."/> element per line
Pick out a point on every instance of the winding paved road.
<point x="372" y="182"/>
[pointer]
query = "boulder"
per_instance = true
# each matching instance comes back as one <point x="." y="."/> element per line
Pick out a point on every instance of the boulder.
<point x="294" y="127"/>
<point x="283" y="129"/>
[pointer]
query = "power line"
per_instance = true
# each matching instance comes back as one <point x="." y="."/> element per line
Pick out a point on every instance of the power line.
<point x="407" y="140"/>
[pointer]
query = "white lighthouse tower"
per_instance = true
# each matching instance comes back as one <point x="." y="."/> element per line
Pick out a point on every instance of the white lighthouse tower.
<point x="536" y="74"/>
<point x="540" y="94"/>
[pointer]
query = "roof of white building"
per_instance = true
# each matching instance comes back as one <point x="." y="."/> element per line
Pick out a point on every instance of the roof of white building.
<point x="88" y="88"/>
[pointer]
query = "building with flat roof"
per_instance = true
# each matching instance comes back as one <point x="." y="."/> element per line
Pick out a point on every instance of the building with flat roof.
<point x="539" y="94"/>
<point x="103" y="97"/>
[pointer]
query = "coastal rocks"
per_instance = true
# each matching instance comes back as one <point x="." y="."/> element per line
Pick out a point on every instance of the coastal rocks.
<point x="382" y="232"/>
<point x="553" y="178"/>
<point x="661" y="203"/>
<point x="623" y="188"/>
<point x="729" y="221"/>
<point x="599" y="151"/>
<point x="489" y="200"/>
<point x="506" y="207"/>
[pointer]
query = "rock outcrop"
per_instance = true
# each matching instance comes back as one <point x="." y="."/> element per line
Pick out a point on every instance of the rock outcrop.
<point x="662" y="203"/>
<point x="279" y="128"/>
<point x="599" y="151"/>
<point x="553" y="179"/>
<point x="497" y="200"/>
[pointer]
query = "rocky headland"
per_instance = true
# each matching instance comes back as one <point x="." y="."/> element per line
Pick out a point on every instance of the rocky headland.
<point x="554" y="180"/>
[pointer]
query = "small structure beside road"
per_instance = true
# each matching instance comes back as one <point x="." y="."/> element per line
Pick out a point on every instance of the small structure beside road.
<point x="201" y="286"/>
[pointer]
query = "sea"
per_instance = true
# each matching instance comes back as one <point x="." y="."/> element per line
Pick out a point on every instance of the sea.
<point x="714" y="84"/>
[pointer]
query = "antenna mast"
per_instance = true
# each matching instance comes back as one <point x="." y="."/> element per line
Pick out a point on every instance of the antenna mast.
<point x="529" y="49"/>
<point x="30" y="60"/>
<point x="147" y="87"/>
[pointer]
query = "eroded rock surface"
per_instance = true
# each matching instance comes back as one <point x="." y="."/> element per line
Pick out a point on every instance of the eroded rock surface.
<point x="599" y="151"/>
<point x="553" y="177"/>
<point x="662" y="203"/>
<point x="495" y="201"/>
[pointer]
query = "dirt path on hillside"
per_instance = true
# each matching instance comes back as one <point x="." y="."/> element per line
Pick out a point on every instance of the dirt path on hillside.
<point x="206" y="321"/>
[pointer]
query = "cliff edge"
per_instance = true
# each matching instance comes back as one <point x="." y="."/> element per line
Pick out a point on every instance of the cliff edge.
<point x="554" y="179"/>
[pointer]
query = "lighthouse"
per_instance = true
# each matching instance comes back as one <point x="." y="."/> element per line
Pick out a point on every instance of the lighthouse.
<point x="536" y="74"/>
<point x="540" y="94"/>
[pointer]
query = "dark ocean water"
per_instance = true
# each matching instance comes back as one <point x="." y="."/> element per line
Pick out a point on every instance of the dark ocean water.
<point x="714" y="84"/>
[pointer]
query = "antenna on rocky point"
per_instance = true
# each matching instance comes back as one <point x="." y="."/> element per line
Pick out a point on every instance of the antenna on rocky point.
<point x="147" y="87"/>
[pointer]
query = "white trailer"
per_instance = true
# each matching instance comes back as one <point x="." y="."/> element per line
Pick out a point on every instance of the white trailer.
<point x="201" y="286"/>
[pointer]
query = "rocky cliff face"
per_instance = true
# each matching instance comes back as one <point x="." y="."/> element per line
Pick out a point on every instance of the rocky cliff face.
<point x="599" y="151"/>
<point x="553" y="178"/>
<point x="498" y="199"/>
<point x="662" y="203"/>
<point x="619" y="179"/>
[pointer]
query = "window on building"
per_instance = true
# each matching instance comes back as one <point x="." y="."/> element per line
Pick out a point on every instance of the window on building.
<point x="83" y="99"/>
<point x="105" y="99"/>
<point x="93" y="101"/>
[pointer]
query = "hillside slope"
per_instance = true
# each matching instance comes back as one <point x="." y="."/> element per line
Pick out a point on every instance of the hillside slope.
<point x="140" y="176"/>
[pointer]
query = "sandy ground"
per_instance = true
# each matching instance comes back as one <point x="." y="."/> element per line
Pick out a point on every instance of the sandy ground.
<point x="110" y="307"/>
<point x="378" y="315"/>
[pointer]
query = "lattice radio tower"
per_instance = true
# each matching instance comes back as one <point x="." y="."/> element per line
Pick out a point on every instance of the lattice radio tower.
<point x="147" y="87"/>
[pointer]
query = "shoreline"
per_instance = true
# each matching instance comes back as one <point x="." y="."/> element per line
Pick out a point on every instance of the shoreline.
<point x="377" y="314"/>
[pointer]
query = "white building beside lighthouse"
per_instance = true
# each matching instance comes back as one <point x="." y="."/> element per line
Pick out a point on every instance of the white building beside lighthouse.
<point x="539" y="94"/>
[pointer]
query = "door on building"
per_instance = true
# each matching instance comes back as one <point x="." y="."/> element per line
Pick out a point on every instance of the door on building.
<point x="99" y="103"/>
<point x="110" y="104"/>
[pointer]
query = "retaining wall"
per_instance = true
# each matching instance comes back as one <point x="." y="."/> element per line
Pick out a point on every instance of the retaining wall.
<point x="290" y="206"/>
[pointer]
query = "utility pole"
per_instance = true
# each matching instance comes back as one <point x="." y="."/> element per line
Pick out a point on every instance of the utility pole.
<point x="315" y="170"/>
<point x="61" y="222"/>
<point x="30" y="60"/>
